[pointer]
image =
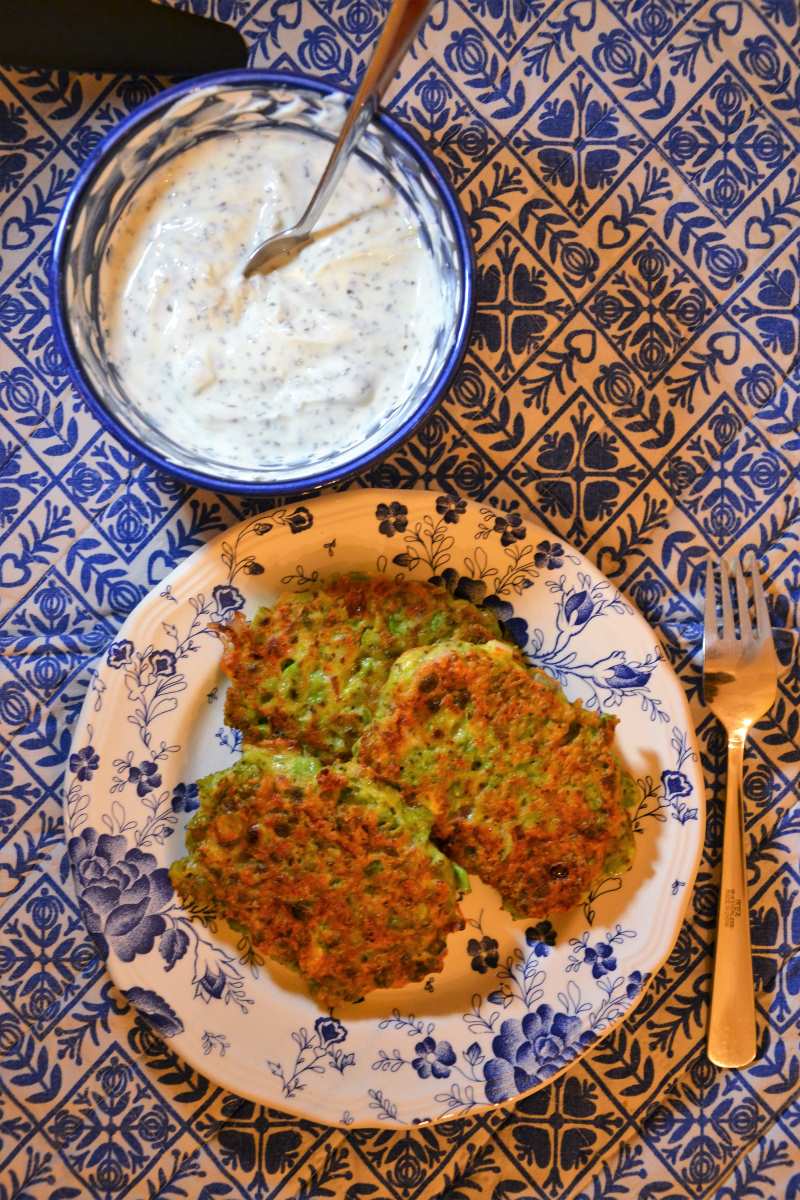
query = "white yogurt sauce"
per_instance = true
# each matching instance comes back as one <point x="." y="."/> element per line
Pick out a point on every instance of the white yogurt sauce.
<point x="278" y="368"/>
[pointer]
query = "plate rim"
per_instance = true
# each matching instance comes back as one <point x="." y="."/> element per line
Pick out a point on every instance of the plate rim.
<point x="374" y="496"/>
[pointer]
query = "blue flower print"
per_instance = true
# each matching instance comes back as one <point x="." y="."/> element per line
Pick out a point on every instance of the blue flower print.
<point x="329" y="1031"/>
<point x="15" y="705"/>
<point x="515" y="628"/>
<point x="12" y="123"/>
<point x="9" y="499"/>
<point x="185" y="798"/>
<point x="578" y="609"/>
<point x="83" y="763"/>
<point x="601" y="958"/>
<point x="634" y="985"/>
<point x="510" y="528"/>
<point x="84" y="481"/>
<point x="7" y="806"/>
<point x="155" y="1010"/>
<point x="460" y="586"/>
<point x="757" y="385"/>
<point x="433" y="1058"/>
<point x="474" y="590"/>
<point x="162" y="662"/>
<point x="483" y="954"/>
<point x="623" y="677"/>
<point x="321" y="50"/>
<point x="227" y="599"/>
<point x="146" y="776"/>
<point x="549" y="556"/>
<point x="133" y="92"/>
<point x="300" y="520"/>
<point x="173" y="944"/>
<point x="532" y="1050"/>
<point x="541" y="938"/>
<point x="11" y="169"/>
<point x="85" y="141"/>
<point x="675" y="785"/>
<point x="211" y="984"/>
<point x="579" y="262"/>
<point x="450" y="508"/>
<point x="119" y="654"/>
<point x="392" y="518"/>
<point x="122" y="893"/>
<point x="468" y="52"/>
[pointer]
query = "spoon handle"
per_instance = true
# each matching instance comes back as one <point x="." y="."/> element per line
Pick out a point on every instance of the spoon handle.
<point x="402" y="23"/>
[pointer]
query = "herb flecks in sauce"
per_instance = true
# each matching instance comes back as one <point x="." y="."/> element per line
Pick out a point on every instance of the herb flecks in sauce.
<point x="280" y="368"/>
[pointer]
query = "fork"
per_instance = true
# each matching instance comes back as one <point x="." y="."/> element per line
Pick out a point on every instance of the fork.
<point x="740" y="678"/>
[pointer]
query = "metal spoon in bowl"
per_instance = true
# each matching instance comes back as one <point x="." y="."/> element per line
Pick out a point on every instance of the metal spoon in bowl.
<point x="402" y="23"/>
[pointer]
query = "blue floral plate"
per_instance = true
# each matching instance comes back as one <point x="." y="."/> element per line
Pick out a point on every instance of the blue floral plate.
<point x="517" y="1001"/>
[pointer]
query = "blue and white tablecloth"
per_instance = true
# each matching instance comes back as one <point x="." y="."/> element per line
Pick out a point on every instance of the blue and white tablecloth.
<point x="630" y="174"/>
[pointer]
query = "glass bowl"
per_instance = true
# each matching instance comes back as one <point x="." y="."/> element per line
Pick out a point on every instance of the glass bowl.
<point x="171" y="122"/>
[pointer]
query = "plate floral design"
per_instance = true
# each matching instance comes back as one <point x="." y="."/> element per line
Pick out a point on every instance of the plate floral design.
<point x="517" y="1001"/>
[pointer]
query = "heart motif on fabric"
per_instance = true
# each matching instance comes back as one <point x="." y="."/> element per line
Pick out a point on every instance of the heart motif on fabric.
<point x="725" y="345"/>
<point x="757" y="235"/>
<point x="777" y="290"/>
<point x="729" y="16"/>
<point x="600" y="167"/>
<point x="777" y="330"/>
<point x="576" y="1100"/>
<point x="288" y="13"/>
<point x="598" y="498"/>
<point x="13" y="571"/>
<point x="556" y="494"/>
<point x="9" y="880"/>
<point x="16" y="236"/>
<point x="557" y="455"/>
<point x="557" y="165"/>
<point x="582" y="343"/>
<point x="601" y="119"/>
<point x="611" y="233"/>
<point x="557" y="119"/>
<point x="487" y="284"/>
<point x="600" y="453"/>
<point x="581" y="13"/>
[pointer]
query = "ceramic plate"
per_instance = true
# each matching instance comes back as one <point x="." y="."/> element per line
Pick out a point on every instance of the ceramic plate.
<point x="517" y="1000"/>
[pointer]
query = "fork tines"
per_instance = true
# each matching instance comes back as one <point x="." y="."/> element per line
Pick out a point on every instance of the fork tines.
<point x="720" y="575"/>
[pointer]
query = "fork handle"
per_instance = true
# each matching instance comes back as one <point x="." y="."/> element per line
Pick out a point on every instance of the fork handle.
<point x="732" y="1025"/>
<point x="401" y="26"/>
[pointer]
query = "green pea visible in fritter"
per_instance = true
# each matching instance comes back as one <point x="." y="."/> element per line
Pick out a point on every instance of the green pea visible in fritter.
<point x="524" y="787"/>
<point x="330" y="871"/>
<point x="311" y="668"/>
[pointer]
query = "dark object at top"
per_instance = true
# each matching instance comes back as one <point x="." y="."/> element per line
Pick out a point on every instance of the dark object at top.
<point x="116" y="35"/>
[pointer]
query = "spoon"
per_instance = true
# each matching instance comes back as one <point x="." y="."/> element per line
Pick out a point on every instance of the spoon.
<point x="402" y="23"/>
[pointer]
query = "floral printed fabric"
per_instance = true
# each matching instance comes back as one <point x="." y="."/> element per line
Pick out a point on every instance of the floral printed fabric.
<point x="629" y="173"/>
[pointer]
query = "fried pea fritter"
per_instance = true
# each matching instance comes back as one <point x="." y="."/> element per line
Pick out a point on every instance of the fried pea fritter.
<point x="311" y="668"/>
<point x="524" y="787"/>
<point x="331" y="873"/>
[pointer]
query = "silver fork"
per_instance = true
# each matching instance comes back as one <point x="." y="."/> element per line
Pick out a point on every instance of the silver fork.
<point x="740" y="677"/>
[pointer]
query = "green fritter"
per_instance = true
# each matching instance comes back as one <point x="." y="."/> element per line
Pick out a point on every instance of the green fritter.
<point x="330" y="872"/>
<point x="311" y="668"/>
<point x="524" y="787"/>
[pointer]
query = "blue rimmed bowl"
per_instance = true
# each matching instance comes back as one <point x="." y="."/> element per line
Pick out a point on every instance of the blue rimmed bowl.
<point x="164" y="127"/>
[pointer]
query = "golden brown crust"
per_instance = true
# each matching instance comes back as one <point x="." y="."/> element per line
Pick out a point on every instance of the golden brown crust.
<point x="311" y="668"/>
<point x="524" y="787"/>
<point x="326" y="869"/>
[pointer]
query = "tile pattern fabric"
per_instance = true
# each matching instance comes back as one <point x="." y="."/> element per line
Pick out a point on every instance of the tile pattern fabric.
<point x="630" y="174"/>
